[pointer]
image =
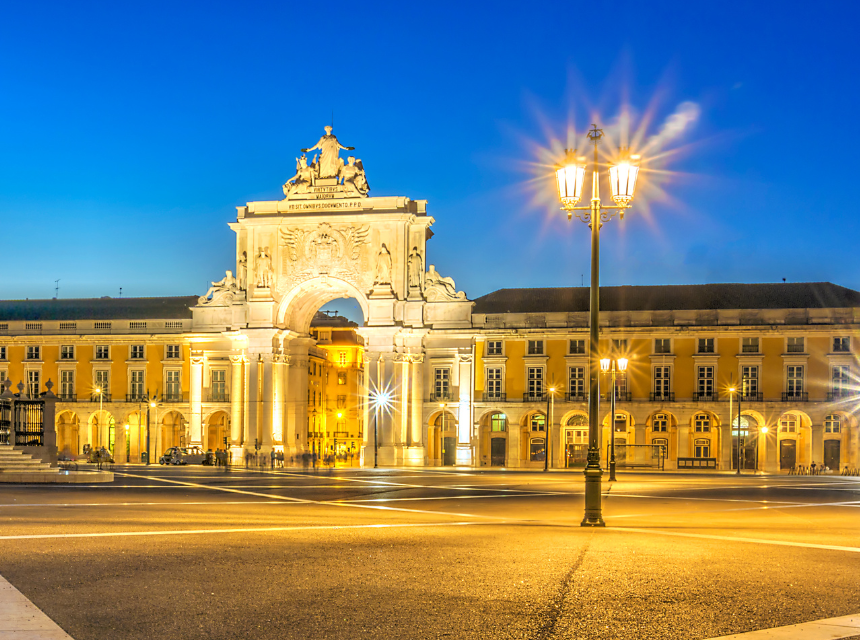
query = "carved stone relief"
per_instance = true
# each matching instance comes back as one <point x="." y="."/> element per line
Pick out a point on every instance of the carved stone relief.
<point x="323" y="250"/>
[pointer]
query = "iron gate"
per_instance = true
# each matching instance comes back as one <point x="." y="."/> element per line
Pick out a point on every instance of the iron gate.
<point x="28" y="417"/>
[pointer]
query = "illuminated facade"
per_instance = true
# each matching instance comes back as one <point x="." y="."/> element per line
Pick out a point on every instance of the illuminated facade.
<point x="493" y="381"/>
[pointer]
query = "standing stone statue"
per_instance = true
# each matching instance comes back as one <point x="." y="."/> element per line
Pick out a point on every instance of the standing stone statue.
<point x="329" y="149"/>
<point x="263" y="267"/>
<point x="383" y="267"/>
<point x="242" y="272"/>
<point x="415" y="269"/>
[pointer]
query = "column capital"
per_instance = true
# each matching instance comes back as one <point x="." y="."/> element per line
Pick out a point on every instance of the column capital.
<point x="237" y="359"/>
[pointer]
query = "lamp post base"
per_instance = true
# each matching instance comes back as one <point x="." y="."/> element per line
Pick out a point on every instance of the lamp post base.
<point x="593" y="512"/>
<point x="612" y="471"/>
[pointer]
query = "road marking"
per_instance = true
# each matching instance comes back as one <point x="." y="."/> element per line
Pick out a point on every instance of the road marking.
<point x="706" y="536"/>
<point x="180" y="532"/>
<point x="20" y="618"/>
<point x="826" y="629"/>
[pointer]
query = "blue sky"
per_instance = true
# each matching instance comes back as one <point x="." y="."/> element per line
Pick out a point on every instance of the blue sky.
<point x="129" y="133"/>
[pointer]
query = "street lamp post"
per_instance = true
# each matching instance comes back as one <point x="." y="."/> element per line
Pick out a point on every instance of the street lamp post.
<point x="609" y="365"/>
<point x="622" y="177"/>
<point x="731" y="420"/>
<point x="442" y="436"/>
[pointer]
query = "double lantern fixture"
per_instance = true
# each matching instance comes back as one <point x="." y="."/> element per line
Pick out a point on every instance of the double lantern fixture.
<point x="571" y="176"/>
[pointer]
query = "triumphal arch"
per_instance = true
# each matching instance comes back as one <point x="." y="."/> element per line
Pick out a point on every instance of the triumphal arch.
<point x="329" y="238"/>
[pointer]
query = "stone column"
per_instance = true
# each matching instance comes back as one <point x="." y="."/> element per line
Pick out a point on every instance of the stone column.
<point x="196" y="397"/>
<point x="278" y="400"/>
<point x="726" y="440"/>
<point x="415" y="449"/>
<point x="254" y="395"/>
<point x="464" y="415"/>
<point x="817" y="437"/>
<point x="237" y="388"/>
<point x="296" y="396"/>
<point x="267" y="402"/>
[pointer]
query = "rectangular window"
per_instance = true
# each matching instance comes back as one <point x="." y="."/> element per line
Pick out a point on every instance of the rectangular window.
<point x="341" y="377"/>
<point x="706" y="345"/>
<point x="67" y="385"/>
<point x="494" y="347"/>
<point x="663" y="345"/>
<point x="441" y="382"/>
<point x="576" y="382"/>
<point x="621" y="386"/>
<point x="749" y="345"/>
<point x="841" y="345"/>
<point x="33" y="383"/>
<point x="577" y="347"/>
<point x="67" y="352"/>
<point x="102" y="352"/>
<point x="3" y="377"/>
<point x="703" y="448"/>
<point x="706" y="382"/>
<point x="341" y="402"/>
<point x="494" y="384"/>
<point x="171" y="352"/>
<point x="537" y="450"/>
<point x="342" y="358"/>
<point x="749" y="386"/>
<point x="702" y="423"/>
<point x="620" y="346"/>
<point x="34" y="353"/>
<point x="662" y="381"/>
<point x="498" y="422"/>
<point x="136" y="352"/>
<point x="535" y="347"/>
<point x="535" y="382"/>
<point x="102" y="384"/>
<point x="794" y="380"/>
<point x="2" y="353"/>
<point x="137" y="385"/>
<point x="840" y="382"/>
<point x="173" y="386"/>
<point x="218" y="385"/>
<point x="660" y="423"/>
<point x="794" y="345"/>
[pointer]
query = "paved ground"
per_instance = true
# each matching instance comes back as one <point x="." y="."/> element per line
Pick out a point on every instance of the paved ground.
<point x="196" y="552"/>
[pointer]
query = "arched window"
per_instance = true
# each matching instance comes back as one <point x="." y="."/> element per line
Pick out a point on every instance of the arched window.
<point x="661" y="447"/>
<point x="498" y="422"/>
<point x="660" y="422"/>
<point x="788" y="423"/>
<point x="833" y="423"/>
<point x="537" y="422"/>
<point x="702" y="448"/>
<point x="577" y="420"/>
<point x="702" y="425"/>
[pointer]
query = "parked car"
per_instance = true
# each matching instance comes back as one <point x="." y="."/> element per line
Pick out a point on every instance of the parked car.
<point x="183" y="455"/>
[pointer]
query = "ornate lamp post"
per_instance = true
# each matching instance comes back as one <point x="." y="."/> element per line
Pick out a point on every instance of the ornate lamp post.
<point x="622" y="178"/>
<point x="608" y="365"/>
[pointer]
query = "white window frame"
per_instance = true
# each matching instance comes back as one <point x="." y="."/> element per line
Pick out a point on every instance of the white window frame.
<point x="791" y="379"/>
<point x="131" y="352"/>
<point x="576" y="383"/>
<point x="494" y="377"/>
<point x="578" y="341"/>
<point x="168" y="348"/>
<point x="97" y="352"/>
<point x="33" y="353"/>
<point x="535" y="385"/>
<point x="133" y="394"/>
<point x="538" y="345"/>
<point x="660" y="423"/>
<point x="791" y="344"/>
<point x="441" y="382"/>
<point x="495" y="347"/>
<point x="847" y="341"/>
<point x="702" y="424"/>
<point x="662" y="340"/>
<point x="666" y="389"/>
<point x="67" y="352"/>
<point x="757" y="345"/>
<point x="709" y="348"/>
<point x="169" y="388"/>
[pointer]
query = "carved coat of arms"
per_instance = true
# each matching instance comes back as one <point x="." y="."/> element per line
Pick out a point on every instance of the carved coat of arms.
<point x="323" y="250"/>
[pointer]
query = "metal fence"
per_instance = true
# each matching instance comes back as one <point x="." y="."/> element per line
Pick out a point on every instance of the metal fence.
<point x="5" y="421"/>
<point x="642" y="456"/>
<point x="28" y="418"/>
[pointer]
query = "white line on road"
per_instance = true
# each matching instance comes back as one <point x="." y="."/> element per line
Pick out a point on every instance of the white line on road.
<point x="706" y="536"/>
<point x="20" y="618"/>
<point x="179" y="532"/>
<point x="826" y="629"/>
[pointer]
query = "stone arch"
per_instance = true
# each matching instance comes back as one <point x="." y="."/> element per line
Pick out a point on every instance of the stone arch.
<point x="795" y="425"/>
<point x="492" y="428"/>
<point x="131" y="437"/>
<point x="98" y="431"/>
<point x="297" y="308"/>
<point x="69" y="432"/>
<point x="169" y="432"/>
<point x="442" y="438"/>
<point x="216" y="428"/>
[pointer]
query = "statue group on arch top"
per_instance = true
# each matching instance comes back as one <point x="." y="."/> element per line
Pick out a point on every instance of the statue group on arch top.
<point x="328" y="169"/>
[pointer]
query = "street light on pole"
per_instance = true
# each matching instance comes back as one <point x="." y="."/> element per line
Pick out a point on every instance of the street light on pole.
<point x="570" y="178"/>
<point x="610" y="365"/>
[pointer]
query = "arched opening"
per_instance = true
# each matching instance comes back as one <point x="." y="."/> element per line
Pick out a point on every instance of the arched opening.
<point x="835" y="442"/>
<point x="443" y="439"/>
<point x="534" y="434"/>
<point x="575" y="439"/>
<point x="131" y="438"/>
<point x="661" y="432"/>
<point x="217" y="431"/>
<point x="746" y="434"/>
<point x="169" y="432"/>
<point x="494" y="439"/>
<point x="337" y="391"/>
<point x="101" y="432"/>
<point x="794" y="442"/>
<point x="68" y="434"/>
